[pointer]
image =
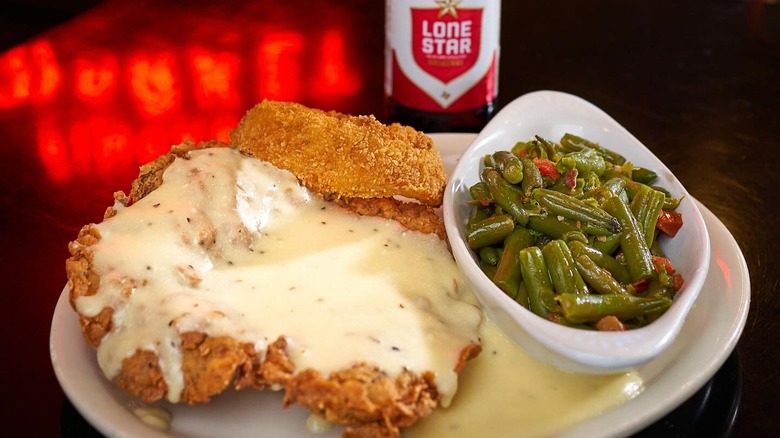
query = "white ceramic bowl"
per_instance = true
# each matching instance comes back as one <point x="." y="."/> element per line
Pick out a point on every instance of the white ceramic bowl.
<point x="551" y="114"/>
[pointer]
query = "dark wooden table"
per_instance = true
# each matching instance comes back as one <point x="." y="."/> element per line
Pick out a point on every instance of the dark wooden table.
<point x="87" y="94"/>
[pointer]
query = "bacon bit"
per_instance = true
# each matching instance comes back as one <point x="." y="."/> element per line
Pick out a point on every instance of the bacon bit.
<point x="571" y="178"/>
<point x="483" y="201"/>
<point x="669" y="222"/>
<point x="610" y="324"/>
<point x="662" y="263"/>
<point x="677" y="282"/>
<point x="522" y="153"/>
<point x="641" y="285"/>
<point x="547" y="168"/>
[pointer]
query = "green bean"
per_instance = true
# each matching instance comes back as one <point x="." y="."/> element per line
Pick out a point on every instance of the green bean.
<point x="632" y="188"/>
<point x="619" y="171"/>
<point x="670" y="202"/>
<point x="490" y="231"/>
<point x="643" y="175"/>
<point x="662" y="190"/>
<point x="605" y="261"/>
<point x="560" y="319"/>
<point x="551" y="226"/>
<point x="575" y="209"/>
<point x="530" y="149"/>
<point x="589" y="181"/>
<point x="509" y="165"/>
<point x="489" y="270"/>
<point x="522" y="295"/>
<point x="595" y="230"/>
<point x="489" y="255"/>
<point x="571" y="142"/>
<point x="480" y="193"/>
<point x="542" y="240"/>
<point x="574" y="236"/>
<point x="597" y="277"/>
<point x="537" y="148"/>
<point x="646" y="206"/>
<point x="549" y="148"/>
<point x="611" y="187"/>
<point x="591" y="308"/>
<point x="541" y="297"/>
<point x="585" y="160"/>
<point x="656" y="289"/>
<point x="505" y="195"/>
<point x="606" y="244"/>
<point x="632" y="241"/>
<point x="532" y="178"/>
<point x="615" y="186"/>
<point x="518" y="148"/>
<point x="563" y="272"/>
<point x="591" y="233"/>
<point x="508" y="274"/>
<point x="477" y="214"/>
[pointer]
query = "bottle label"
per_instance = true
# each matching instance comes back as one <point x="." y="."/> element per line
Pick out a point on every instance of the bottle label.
<point x="442" y="55"/>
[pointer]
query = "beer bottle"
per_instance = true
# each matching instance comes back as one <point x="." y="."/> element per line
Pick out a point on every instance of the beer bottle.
<point x="441" y="63"/>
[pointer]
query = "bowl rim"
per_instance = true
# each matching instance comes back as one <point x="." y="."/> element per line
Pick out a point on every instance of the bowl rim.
<point x="572" y="348"/>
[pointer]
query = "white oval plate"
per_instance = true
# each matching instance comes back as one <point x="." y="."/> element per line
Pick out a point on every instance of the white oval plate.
<point x="707" y="339"/>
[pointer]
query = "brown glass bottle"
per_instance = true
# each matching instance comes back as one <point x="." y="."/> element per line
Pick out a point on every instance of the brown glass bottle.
<point x="430" y="121"/>
<point x="441" y="69"/>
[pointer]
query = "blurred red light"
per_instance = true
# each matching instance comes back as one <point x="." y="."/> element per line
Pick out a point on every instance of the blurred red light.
<point x="15" y="78"/>
<point x="96" y="77"/>
<point x="221" y="127"/>
<point x="53" y="151"/>
<point x="214" y="77"/>
<point x="279" y="67"/>
<point x="153" y="140"/>
<point x="125" y="107"/>
<point x="101" y="145"/>
<point x="49" y="73"/>
<point x="335" y="75"/>
<point x="154" y="83"/>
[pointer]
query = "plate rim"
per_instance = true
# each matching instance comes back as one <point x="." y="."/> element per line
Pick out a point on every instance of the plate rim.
<point x="128" y="425"/>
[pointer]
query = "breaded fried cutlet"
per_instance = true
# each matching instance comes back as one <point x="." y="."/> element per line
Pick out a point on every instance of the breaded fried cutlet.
<point x="207" y="276"/>
<point x="340" y="155"/>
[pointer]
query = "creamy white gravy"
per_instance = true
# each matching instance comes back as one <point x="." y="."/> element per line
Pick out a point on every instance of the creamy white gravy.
<point x="231" y="246"/>
<point x="504" y="392"/>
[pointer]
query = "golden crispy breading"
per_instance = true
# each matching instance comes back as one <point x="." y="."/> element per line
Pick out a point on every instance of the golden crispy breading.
<point x="209" y="366"/>
<point x="362" y="398"/>
<point x="341" y="155"/>
<point x="84" y="281"/>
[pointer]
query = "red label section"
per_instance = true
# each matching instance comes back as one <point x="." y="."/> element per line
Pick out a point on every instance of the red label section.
<point x="409" y="94"/>
<point x="446" y="47"/>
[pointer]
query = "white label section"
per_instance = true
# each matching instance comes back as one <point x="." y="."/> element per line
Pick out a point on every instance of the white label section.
<point x="398" y="29"/>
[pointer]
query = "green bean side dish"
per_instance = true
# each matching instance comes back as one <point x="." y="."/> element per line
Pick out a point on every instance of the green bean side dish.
<point x="571" y="230"/>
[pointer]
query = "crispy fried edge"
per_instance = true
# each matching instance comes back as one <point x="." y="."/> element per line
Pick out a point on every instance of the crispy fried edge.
<point x="413" y="216"/>
<point x="341" y="155"/>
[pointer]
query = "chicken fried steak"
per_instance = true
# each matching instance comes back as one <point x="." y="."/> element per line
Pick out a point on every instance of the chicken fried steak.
<point x="220" y="270"/>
